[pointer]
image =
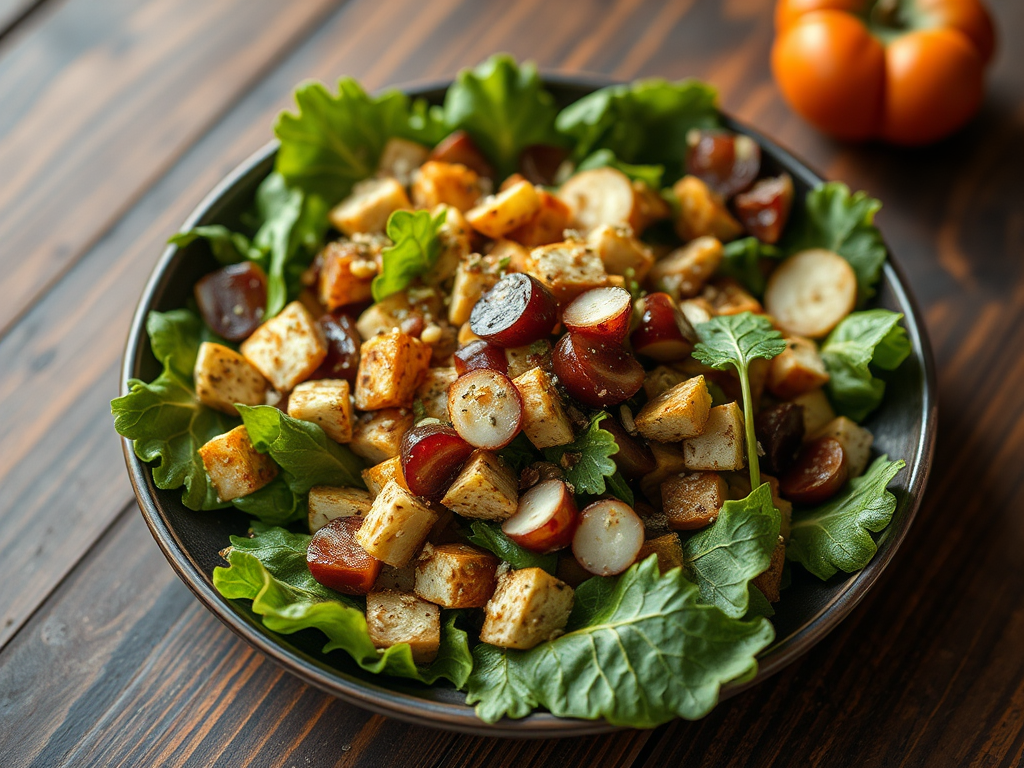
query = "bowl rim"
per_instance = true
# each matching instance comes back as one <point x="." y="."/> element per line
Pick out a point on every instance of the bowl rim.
<point x="461" y="717"/>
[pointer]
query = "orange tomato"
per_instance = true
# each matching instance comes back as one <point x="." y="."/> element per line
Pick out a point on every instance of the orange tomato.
<point x="906" y="71"/>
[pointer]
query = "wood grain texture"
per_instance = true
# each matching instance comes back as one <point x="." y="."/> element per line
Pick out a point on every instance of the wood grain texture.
<point x="113" y="663"/>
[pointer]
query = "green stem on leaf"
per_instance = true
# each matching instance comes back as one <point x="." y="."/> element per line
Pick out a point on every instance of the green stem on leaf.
<point x="748" y="421"/>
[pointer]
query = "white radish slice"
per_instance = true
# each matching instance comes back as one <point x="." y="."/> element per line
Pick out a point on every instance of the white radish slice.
<point x="545" y="518"/>
<point x="608" y="538"/>
<point x="485" y="408"/>
<point x="601" y="312"/>
<point x="600" y="196"/>
<point x="810" y="292"/>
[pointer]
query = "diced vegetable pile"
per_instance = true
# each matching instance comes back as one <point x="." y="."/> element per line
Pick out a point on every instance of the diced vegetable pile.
<point x="538" y="402"/>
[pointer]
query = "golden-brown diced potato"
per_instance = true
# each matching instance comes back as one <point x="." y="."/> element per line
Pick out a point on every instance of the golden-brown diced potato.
<point x="409" y="311"/>
<point x="720" y="446"/>
<point x="379" y="475"/>
<point x="693" y="501"/>
<point x="456" y="575"/>
<point x="528" y="607"/>
<point x="702" y="212"/>
<point x="727" y="297"/>
<point x="668" y="548"/>
<point x="524" y="359"/>
<point x="683" y="273"/>
<point x="377" y="436"/>
<point x="677" y="413"/>
<point x="368" y="207"/>
<point x="620" y="251"/>
<point x="509" y="253"/>
<point x="466" y="335"/>
<point x="547" y="225"/>
<point x="485" y="489"/>
<point x="391" y="367"/>
<point x="668" y="460"/>
<point x="649" y="207"/>
<point x="396" y="527"/>
<point x="798" y="370"/>
<point x="473" y="277"/>
<point x="696" y="311"/>
<point x="287" y="348"/>
<point x="433" y="392"/>
<point x="400" y="579"/>
<point x="346" y="274"/>
<point x="856" y="442"/>
<point x="567" y="269"/>
<point x="234" y="466"/>
<point x="327" y="503"/>
<point x="770" y="582"/>
<point x="662" y="379"/>
<point x="499" y="214"/>
<point x="223" y="377"/>
<point x="817" y="411"/>
<point x="325" y="402"/>
<point x="545" y="421"/>
<point x="757" y="373"/>
<point x="400" y="158"/>
<point x="454" y="240"/>
<point x="396" y="617"/>
<point x="450" y="183"/>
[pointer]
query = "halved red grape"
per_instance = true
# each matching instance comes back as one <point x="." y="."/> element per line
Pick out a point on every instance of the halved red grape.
<point x="486" y="409"/>
<point x="337" y="561"/>
<point x="518" y="310"/>
<point x="458" y="147"/>
<point x="634" y="459"/>
<point x="603" y="313"/>
<point x="764" y="209"/>
<point x="664" y="333"/>
<point x="480" y="354"/>
<point x="539" y="163"/>
<point x="431" y="456"/>
<point x="343" y="344"/>
<point x="727" y="162"/>
<point x="545" y="519"/>
<point x="820" y="471"/>
<point x="232" y="299"/>
<point x="595" y="373"/>
<point x="608" y="538"/>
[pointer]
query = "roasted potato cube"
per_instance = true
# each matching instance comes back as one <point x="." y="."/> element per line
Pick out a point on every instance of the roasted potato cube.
<point x="368" y="207"/>
<point x="568" y="269"/>
<point x="377" y="436"/>
<point x="223" y="377"/>
<point x="770" y="582"/>
<point x="395" y="617"/>
<point x="817" y="411"/>
<point x="509" y="255"/>
<point x="325" y="402"/>
<point x="524" y="359"/>
<point x="648" y="207"/>
<point x="856" y="442"/>
<point x="693" y="501"/>
<point x="401" y="158"/>
<point x="455" y="245"/>
<point x="400" y="579"/>
<point x="408" y="311"/>
<point x="528" y="607"/>
<point x="547" y="225"/>
<point x="327" y="503"/>
<point x="346" y="275"/>
<point x="449" y="183"/>
<point x="545" y="421"/>
<point x="466" y="335"/>
<point x="620" y="252"/>
<point x="499" y="214"/>
<point x="473" y="277"/>
<point x="234" y="466"/>
<point x="720" y="446"/>
<point x="433" y="392"/>
<point x="677" y="413"/>
<point x="379" y="475"/>
<point x="287" y="348"/>
<point x="727" y="297"/>
<point x="662" y="379"/>
<point x="396" y="527"/>
<point x="391" y="368"/>
<point x="668" y="460"/>
<point x="696" y="311"/>
<point x="796" y="371"/>
<point x="668" y="548"/>
<point x="702" y="212"/>
<point x="485" y="489"/>
<point x="683" y="273"/>
<point x="456" y="575"/>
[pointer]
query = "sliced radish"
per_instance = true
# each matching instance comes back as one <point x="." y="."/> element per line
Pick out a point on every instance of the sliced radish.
<point x="545" y="519"/>
<point x="600" y="196"/>
<point x="603" y="313"/>
<point x="664" y="334"/>
<point x="480" y="354"/>
<point x="517" y="311"/>
<point x="810" y="292"/>
<point x="431" y="456"/>
<point x="595" y="373"/>
<point x="485" y="408"/>
<point x="337" y="561"/>
<point x="608" y="538"/>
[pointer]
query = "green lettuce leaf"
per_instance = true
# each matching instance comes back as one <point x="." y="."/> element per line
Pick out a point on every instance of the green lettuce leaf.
<point x="587" y="459"/>
<point x="723" y="558"/>
<point x="520" y="453"/>
<point x="228" y="247"/>
<point x="504" y="107"/>
<point x="605" y="158"/>
<point x="490" y="537"/>
<point x="639" y="650"/>
<point x="741" y="260"/>
<point x="270" y="569"/>
<point x="164" y="419"/>
<point x="834" y="219"/>
<point x="862" y="340"/>
<point x="643" y="122"/>
<point x="835" y="536"/>
<point x="336" y="140"/>
<point x="758" y="605"/>
<point x="415" y="251"/>
<point x="275" y="503"/>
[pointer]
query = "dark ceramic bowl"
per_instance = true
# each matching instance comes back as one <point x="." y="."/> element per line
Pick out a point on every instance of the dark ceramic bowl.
<point x="903" y="427"/>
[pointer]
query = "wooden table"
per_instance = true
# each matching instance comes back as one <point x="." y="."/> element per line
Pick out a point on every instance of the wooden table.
<point x="116" y="116"/>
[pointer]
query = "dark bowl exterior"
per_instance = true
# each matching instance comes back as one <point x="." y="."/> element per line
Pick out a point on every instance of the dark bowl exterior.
<point x="904" y="427"/>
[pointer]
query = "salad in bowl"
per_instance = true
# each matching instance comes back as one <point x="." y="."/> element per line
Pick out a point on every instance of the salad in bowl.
<point x="541" y="404"/>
